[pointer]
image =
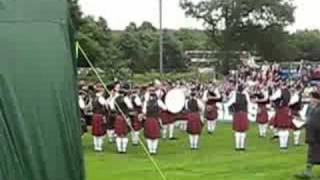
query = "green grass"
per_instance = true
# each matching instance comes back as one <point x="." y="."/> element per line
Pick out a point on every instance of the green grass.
<point x="216" y="160"/>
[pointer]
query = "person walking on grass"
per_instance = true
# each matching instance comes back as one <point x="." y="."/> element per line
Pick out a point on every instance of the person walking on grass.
<point x="312" y="137"/>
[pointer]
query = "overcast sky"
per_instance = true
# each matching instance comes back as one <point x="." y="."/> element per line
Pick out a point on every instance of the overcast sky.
<point x="119" y="13"/>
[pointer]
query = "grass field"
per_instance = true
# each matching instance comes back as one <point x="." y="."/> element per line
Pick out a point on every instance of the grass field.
<point x="216" y="160"/>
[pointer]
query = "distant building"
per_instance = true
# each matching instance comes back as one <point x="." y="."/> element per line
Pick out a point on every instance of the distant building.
<point x="206" y="60"/>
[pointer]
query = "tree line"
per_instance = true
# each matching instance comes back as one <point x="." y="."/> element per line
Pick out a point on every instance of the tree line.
<point x="257" y="26"/>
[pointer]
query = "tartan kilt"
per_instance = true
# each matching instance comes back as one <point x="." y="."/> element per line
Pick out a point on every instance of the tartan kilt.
<point x="240" y="121"/>
<point x="121" y="127"/>
<point x="194" y="125"/>
<point x="283" y="118"/>
<point x="166" y="117"/>
<point x="98" y="125"/>
<point x="211" y="112"/>
<point x="152" y="128"/>
<point x="181" y="116"/>
<point x="136" y="124"/>
<point x="262" y="116"/>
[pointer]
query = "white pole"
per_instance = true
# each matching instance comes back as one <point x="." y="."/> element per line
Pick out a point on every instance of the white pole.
<point x="161" y="37"/>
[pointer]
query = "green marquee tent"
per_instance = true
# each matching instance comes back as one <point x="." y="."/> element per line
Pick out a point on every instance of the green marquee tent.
<point x="39" y="122"/>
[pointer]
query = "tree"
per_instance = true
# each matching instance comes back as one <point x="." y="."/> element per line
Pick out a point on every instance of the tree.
<point x="307" y="43"/>
<point x="172" y="52"/>
<point x="193" y="39"/>
<point x="230" y="22"/>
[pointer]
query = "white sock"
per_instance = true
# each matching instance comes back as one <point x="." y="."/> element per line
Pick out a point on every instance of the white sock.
<point x="275" y="131"/>
<point x="171" y="130"/>
<point x="155" y="145"/>
<point x="196" y="141"/>
<point x="135" y="137"/>
<point x="124" y="144"/>
<point x="95" y="143"/>
<point x="110" y="135"/>
<point x="164" y="131"/>
<point x="214" y="125"/>
<point x="242" y="140"/>
<point x="237" y="140"/>
<point x="283" y="138"/>
<point x="265" y="129"/>
<point x="118" y="142"/>
<point x="296" y="137"/>
<point x="209" y="126"/>
<point x="260" y="127"/>
<point x="149" y="144"/>
<point x="100" y="143"/>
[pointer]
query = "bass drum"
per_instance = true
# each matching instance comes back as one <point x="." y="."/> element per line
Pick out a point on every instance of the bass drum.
<point x="175" y="100"/>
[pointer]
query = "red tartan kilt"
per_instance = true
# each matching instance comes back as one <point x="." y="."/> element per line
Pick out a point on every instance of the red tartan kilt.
<point x="98" y="126"/>
<point x="262" y="116"/>
<point x="271" y="122"/>
<point x="152" y="128"/>
<point x="121" y="127"/>
<point x="136" y="124"/>
<point x="211" y="113"/>
<point x="166" y="117"/>
<point x="181" y="116"/>
<point x="194" y="125"/>
<point x="240" y="122"/>
<point x="282" y="118"/>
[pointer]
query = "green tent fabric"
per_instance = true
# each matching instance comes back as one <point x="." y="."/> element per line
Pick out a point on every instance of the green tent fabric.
<point x="39" y="119"/>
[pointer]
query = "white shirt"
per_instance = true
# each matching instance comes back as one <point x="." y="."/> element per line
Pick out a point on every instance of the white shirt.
<point x="81" y="103"/>
<point x="101" y="99"/>
<point x="276" y="95"/>
<point x="294" y="98"/>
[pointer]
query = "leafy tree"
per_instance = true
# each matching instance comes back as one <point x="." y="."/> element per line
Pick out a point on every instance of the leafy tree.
<point x="307" y="43"/>
<point x="230" y="22"/>
<point x="173" y="59"/>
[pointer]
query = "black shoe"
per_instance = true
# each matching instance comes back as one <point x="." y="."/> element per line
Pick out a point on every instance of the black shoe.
<point x="274" y="137"/>
<point x="173" y="138"/>
<point x="243" y="149"/>
<point x="135" y="144"/>
<point x="209" y="132"/>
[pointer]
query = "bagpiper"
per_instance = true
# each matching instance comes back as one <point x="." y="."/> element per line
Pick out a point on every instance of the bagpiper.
<point x="211" y="97"/>
<point x="282" y="120"/>
<point x="194" y="124"/>
<point x="262" y="118"/>
<point x="151" y="109"/>
<point x="98" y="119"/>
<point x="123" y="106"/>
<point x="239" y="100"/>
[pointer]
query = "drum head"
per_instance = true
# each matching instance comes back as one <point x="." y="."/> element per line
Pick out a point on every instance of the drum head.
<point x="175" y="100"/>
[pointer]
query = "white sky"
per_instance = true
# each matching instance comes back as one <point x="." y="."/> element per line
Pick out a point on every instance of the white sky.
<point x="119" y="13"/>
